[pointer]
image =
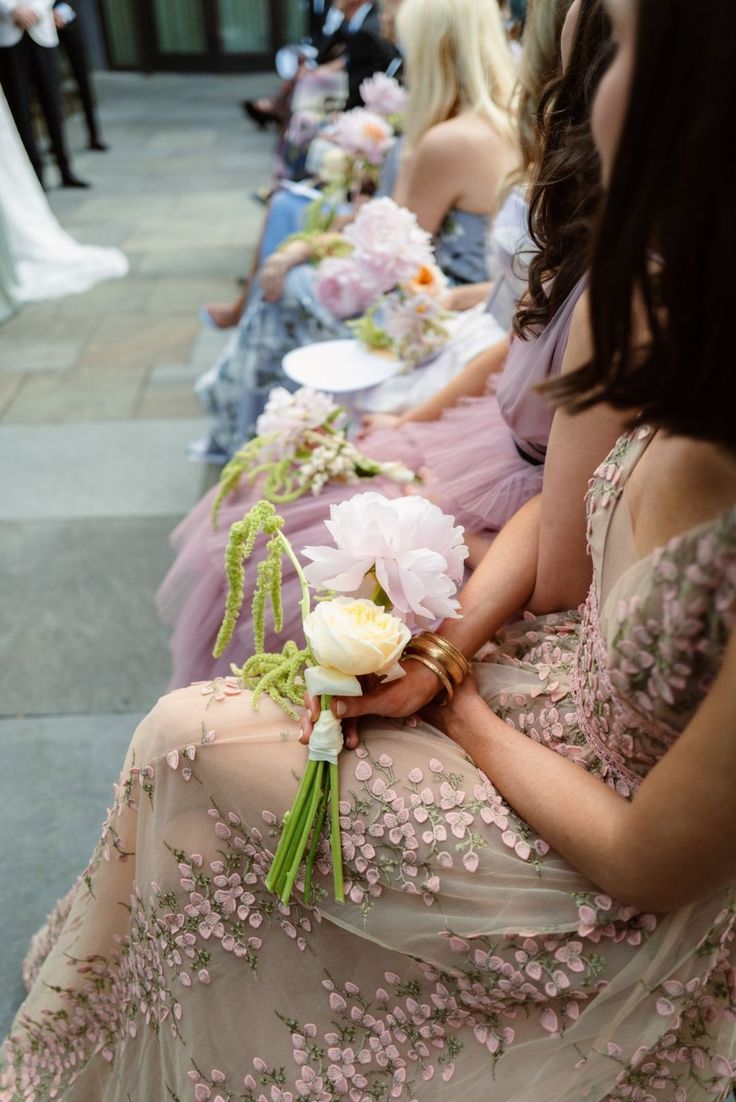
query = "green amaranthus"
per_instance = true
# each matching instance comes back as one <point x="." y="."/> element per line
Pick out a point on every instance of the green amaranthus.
<point x="281" y="676"/>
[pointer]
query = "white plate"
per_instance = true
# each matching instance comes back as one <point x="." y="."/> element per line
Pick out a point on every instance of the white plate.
<point x="338" y="366"/>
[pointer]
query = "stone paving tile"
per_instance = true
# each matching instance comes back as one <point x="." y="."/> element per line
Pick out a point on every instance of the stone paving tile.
<point x="199" y="233"/>
<point x="39" y="354"/>
<point x="103" y="646"/>
<point x="230" y="261"/>
<point x="117" y="296"/>
<point x="105" y="469"/>
<point x="207" y="347"/>
<point x="85" y="396"/>
<point x="169" y="400"/>
<point x="9" y="387"/>
<point x="116" y="342"/>
<point x="186" y="294"/>
<point x="65" y="765"/>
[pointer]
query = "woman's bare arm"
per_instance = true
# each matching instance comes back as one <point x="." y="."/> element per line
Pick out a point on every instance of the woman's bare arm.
<point x="673" y="844"/>
<point x="468" y="383"/>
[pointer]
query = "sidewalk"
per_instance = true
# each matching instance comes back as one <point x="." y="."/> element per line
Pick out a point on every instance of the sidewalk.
<point x="96" y="407"/>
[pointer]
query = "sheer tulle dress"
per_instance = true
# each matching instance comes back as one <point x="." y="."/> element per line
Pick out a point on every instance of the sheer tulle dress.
<point x="482" y="460"/>
<point x="470" y="960"/>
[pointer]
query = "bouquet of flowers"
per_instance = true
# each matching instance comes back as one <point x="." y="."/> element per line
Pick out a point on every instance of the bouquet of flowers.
<point x="394" y="565"/>
<point x="390" y="281"/>
<point x="301" y="444"/>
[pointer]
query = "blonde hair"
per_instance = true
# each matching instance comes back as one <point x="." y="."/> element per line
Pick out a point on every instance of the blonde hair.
<point x="457" y="59"/>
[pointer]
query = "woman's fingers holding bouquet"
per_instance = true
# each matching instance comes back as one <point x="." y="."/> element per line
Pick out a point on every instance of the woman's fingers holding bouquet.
<point x="398" y="699"/>
<point x="310" y="717"/>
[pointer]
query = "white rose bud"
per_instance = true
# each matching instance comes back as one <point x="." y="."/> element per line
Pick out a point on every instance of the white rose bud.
<point x="355" y="636"/>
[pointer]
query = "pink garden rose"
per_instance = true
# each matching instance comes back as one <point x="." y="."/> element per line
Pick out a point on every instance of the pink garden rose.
<point x="383" y="95"/>
<point x="389" y="244"/>
<point x="342" y="287"/>
<point x="364" y="134"/>
<point x="416" y="552"/>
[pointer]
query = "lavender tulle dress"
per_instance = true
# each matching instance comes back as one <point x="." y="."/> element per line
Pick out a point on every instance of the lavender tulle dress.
<point x="484" y="460"/>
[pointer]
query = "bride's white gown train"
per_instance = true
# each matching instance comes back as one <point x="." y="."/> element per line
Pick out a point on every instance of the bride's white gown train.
<point x="41" y="260"/>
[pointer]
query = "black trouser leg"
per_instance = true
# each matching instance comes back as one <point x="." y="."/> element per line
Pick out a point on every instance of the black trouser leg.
<point x="15" y="79"/>
<point x="45" y="67"/>
<point x="72" y="39"/>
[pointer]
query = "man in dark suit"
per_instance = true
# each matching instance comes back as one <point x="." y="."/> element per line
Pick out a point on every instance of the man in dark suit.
<point x="29" y="46"/>
<point x="351" y="40"/>
<point x="72" y="39"/>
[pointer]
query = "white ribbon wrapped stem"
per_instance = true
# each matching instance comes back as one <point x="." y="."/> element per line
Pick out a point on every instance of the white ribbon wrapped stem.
<point x="325" y="742"/>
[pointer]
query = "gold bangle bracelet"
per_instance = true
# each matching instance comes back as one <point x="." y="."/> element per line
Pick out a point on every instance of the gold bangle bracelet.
<point x="450" y="649"/>
<point x="437" y="654"/>
<point x="437" y="670"/>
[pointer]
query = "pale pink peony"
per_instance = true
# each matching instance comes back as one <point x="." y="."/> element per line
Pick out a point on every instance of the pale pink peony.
<point x="290" y="415"/>
<point x="416" y="552"/>
<point x="383" y="95"/>
<point x="364" y="134"/>
<point x="343" y="288"/>
<point x="389" y="244"/>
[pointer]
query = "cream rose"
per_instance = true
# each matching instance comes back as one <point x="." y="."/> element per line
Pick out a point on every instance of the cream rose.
<point x="355" y="636"/>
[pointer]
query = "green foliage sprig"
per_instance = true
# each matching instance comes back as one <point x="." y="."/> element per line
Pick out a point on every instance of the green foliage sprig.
<point x="279" y="675"/>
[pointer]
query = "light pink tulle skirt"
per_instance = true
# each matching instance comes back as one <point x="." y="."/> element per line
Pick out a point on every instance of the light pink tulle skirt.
<point x="472" y="470"/>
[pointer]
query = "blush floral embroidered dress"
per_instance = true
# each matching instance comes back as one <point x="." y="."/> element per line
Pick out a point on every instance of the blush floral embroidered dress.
<point x="470" y="961"/>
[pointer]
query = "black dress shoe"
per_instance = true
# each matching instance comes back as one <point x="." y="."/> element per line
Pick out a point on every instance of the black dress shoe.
<point x="68" y="179"/>
<point x="98" y="146"/>
<point x="256" y="115"/>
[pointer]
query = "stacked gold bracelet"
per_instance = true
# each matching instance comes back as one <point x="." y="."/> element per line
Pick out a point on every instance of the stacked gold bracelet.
<point x="441" y="657"/>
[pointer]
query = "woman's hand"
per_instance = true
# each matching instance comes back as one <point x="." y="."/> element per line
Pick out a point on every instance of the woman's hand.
<point x="372" y="421"/>
<point x="400" y="699"/>
<point x="460" y="714"/>
<point x="273" y="276"/>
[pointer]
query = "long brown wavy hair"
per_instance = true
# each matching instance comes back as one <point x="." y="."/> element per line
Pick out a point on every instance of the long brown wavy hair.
<point x="667" y="234"/>
<point x="566" y="192"/>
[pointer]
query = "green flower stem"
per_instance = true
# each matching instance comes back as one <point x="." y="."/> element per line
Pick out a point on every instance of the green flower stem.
<point x="290" y="818"/>
<point x="335" y="841"/>
<point x="316" y="833"/>
<point x="307" y="822"/>
<point x="304" y="603"/>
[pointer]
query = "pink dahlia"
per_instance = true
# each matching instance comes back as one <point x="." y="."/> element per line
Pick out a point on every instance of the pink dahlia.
<point x="342" y="287"/>
<point x="383" y="95"/>
<point x="364" y="134"/>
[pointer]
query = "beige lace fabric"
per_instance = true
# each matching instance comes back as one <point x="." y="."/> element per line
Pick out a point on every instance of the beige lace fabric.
<point x="470" y="961"/>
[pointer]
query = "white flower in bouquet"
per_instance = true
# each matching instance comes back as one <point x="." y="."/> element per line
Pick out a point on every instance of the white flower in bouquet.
<point x="363" y="134"/>
<point x="408" y="547"/>
<point x="333" y="461"/>
<point x="388" y="243"/>
<point x="414" y="324"/>
<point x="355" y="636"/>
<point x="335" y="167"/>
<point x="383" y="95"/>
<point x="289" y="415"/>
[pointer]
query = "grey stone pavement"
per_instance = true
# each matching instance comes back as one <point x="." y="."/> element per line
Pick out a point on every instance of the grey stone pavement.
<point x="96" y="407"/>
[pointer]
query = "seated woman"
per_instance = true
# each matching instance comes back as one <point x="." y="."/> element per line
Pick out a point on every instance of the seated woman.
<point x="459" y="135"/>
<point x="540" y="875"/>
<point x="481" y="442"/>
